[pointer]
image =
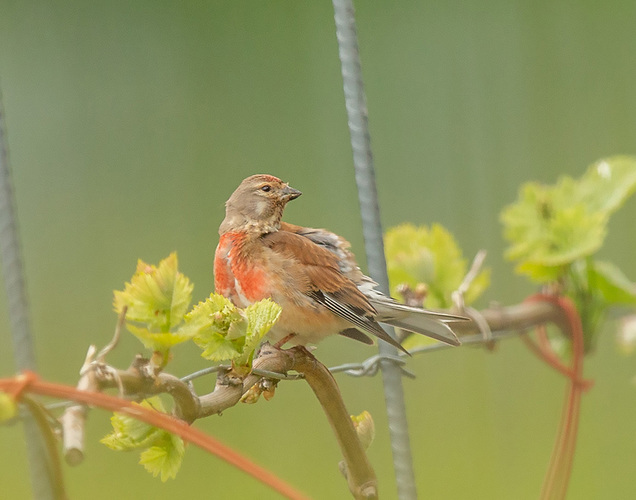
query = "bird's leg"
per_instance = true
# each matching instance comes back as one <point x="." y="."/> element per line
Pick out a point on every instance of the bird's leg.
<point x="284" y="340"/>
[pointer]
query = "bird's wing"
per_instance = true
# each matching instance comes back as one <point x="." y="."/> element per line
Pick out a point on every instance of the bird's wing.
<point x="388" y="310"/>
<point x="325" y="283"/>
<point x="335" y="244"/>
<point x="355" y="334"/>
<point x="321" y="268"/>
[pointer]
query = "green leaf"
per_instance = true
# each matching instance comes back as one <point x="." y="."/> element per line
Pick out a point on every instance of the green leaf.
<point x="225" y="332"/>
<point x="608" y="183"/>
<point x="548" y="228"/>
<point x="365" y="428"/>
<point x="614" y="286"/>
<point x="261" y="316"/>
<point x="8" y="408"/>
<point x="216" y="347"/>
<point x="159" y="341"/>
<point x="120" y="441"/>
<point x="163" y="452"/>
<point x="130" y="433"/>
<point x="164" y="457"/>
<point x="581" y="287"/>
<point x="216" y="313"/>
<point x="219" y="328"/>
<point x="431" y="256"/>
<point x="157" y="296"/>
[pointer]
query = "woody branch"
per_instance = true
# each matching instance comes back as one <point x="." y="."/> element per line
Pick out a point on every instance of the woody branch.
<point x="231" y="385"/>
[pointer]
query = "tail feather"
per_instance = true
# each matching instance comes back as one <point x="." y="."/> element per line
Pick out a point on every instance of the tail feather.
<point x="391" y="306"/>
<point x="437" y="330"/>
<point x="430" y="323"/>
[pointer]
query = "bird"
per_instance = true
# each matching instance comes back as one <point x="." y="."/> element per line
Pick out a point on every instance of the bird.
<point x="311" y="273"/>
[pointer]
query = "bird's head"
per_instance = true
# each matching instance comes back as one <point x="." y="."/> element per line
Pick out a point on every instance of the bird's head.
<point x="257" y="204"/>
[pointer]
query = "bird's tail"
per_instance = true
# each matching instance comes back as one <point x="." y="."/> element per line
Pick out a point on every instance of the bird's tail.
<point x="430" y="323"/>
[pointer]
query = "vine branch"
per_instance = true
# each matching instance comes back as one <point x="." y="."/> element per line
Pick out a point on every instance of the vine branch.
<point x="233" y="385"/>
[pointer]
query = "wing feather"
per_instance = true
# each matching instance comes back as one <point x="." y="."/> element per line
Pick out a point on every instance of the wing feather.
<point x="333" y="279"/>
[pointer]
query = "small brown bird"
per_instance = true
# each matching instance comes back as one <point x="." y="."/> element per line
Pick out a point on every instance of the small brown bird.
<point x="309" y="272"/>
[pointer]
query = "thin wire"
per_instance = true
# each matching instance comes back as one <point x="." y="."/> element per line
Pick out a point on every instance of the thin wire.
<point x="203" y="372"/>
<point x="23" y="350"/>
<point x="356" y="105"/>
<point x="371" y="366"/>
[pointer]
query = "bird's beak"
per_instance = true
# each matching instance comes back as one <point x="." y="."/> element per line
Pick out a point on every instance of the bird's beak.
<point x="290" y="193"/>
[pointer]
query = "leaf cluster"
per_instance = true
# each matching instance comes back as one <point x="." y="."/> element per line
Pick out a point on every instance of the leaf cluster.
<point x="156" y="301"/>
<point x="225" y="332"/>
<point x="421" y="255"/>
<point x="554" y="232"/>
<point x="162" y="452"/>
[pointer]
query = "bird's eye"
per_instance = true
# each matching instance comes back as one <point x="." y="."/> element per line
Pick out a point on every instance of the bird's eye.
<point x="267" y="188"/>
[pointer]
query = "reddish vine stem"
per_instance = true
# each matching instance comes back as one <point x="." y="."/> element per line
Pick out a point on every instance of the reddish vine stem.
<point x="557" y="477"/>
<point x="29" y="382"/>
<point x="53" y="459"/>
<point x="573" y="404"/>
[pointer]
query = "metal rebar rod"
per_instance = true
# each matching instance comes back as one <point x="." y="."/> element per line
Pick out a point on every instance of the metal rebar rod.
<point x="23" y="350"/>
<point x="356" y="105"/>
<point x="12" y="265"/>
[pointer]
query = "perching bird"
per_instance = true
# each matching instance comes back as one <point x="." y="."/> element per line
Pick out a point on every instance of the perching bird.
<point x="309" y="272"/>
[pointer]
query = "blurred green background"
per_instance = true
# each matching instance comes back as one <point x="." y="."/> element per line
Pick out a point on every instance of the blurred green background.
<point x="130" y="123"/>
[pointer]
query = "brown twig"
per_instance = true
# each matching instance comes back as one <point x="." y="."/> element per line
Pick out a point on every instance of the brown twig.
<point x="232" y="384"/>
<point x="360" y="475"/>
<point x="74" y="417"/>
